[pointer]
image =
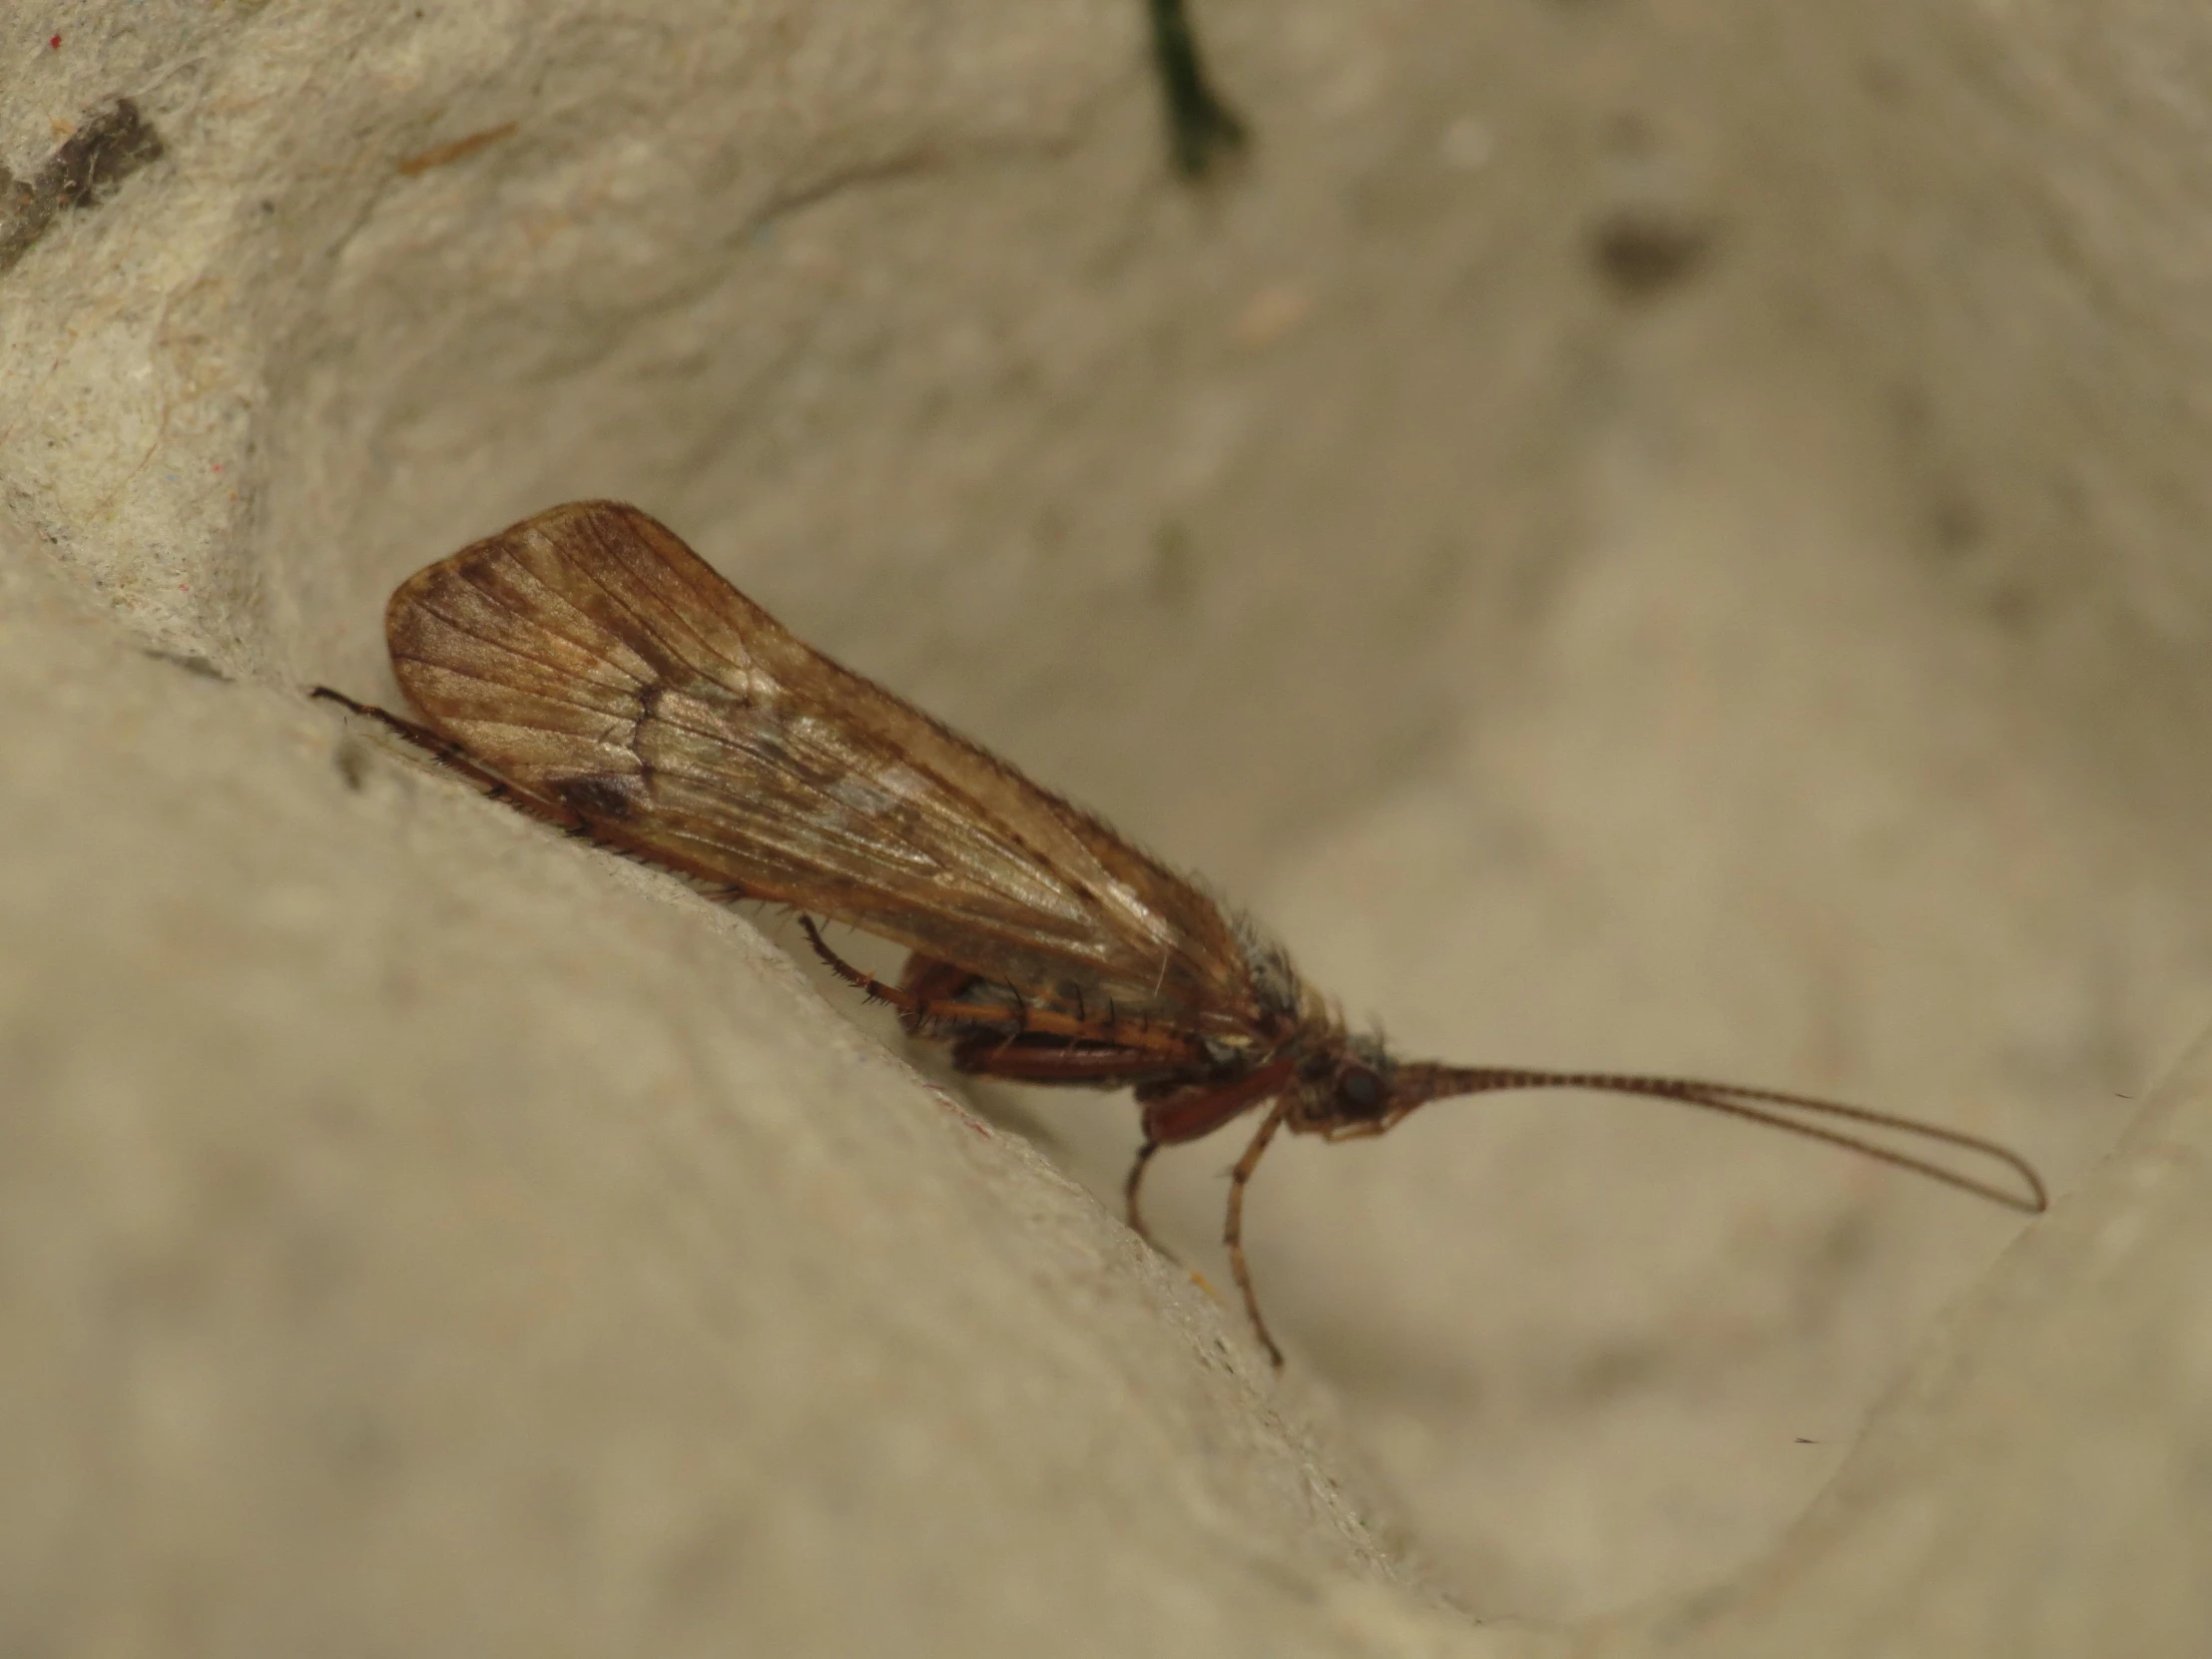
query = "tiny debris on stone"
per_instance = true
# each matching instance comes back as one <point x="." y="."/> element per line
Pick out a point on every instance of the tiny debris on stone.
<point x="191" y="662"/>
<point x="442" y="155"/>
<point x="83" y="173"/>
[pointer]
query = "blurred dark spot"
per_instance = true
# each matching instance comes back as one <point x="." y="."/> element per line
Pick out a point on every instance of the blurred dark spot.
<point x="1201" y="127"/>
<point x="1957" y="523"/>
<point x="1615" y="1368"/>
<point x="1642" y="252"/>
<point x="361" y="1442"/>
<point x="695" y="1569"/>
<point x="351" y="759"/>
<point x="1909" y="408"/>
<point x="1883" y="80"/>
<point x="2012" y="604"/>
<point x="191" y="662"/>
<point x="1842" y="1248"/>
<point x="1174" y="566"/>
<point x="1629" y="134"/>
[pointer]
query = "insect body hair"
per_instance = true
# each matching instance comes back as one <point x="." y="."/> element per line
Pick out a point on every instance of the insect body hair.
<point x="1284" y="998"/>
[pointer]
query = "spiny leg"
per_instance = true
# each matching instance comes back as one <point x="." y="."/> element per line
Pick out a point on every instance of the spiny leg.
<point x="910" y="1008"/>
<point x="454" y="758"/>
<point x="1098" y="1053"/>
<point x="929" y="980"/>
<point x="437" y="745"/>
<point x="1231" y="1232"/>
<point x="874" y="990"/>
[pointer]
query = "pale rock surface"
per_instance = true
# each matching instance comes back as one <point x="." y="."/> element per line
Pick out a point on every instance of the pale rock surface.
<point x="1654" y="536"/>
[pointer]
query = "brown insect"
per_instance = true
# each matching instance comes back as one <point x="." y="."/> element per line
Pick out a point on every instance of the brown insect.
<point x="588" y="667"/>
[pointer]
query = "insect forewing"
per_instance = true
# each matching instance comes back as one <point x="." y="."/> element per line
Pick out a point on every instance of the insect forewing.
<point x="594" y="662"/>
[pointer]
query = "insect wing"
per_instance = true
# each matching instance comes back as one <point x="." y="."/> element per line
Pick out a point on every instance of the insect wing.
<point x="594" y="662"/>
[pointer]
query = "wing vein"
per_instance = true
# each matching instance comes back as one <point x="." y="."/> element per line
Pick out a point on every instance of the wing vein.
<point x="584" y="632"/>
<point x="531" y="688"/>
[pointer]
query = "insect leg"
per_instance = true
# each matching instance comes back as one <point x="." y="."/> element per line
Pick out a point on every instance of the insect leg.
<point x="1131" y="1183"/>
<point x="452" y="756"/>
<point x="1232" y="1232"/>
<point x="914" y="1012"/>
<point x="1021" y="1009"/>
<point x="1175" y="1113"/>
<point x="1047" y="1060"/>
<point x="874" y="990"/>
<point x="931" y="981"/>
<point x="1059" y="1047"/>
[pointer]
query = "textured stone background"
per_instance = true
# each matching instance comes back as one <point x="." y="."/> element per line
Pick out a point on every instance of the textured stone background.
<point x="1657" y="536"/>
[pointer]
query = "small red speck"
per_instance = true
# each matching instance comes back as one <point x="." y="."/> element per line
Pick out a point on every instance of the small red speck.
<point x="216" y="465"/>
<point x="54" y="42"/>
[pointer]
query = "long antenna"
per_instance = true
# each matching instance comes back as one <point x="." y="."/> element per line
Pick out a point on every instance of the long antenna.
<point x="1414" y="1085"/>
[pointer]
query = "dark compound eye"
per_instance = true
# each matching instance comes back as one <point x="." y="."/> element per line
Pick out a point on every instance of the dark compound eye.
<point x="1360" y="1090"/>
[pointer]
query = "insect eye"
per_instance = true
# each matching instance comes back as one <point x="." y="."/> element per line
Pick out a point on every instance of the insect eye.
<point x="1360" y="1090"/>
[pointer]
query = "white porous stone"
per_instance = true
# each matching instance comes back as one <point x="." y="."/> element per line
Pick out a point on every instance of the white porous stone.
<point x="1662" y="538"/>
